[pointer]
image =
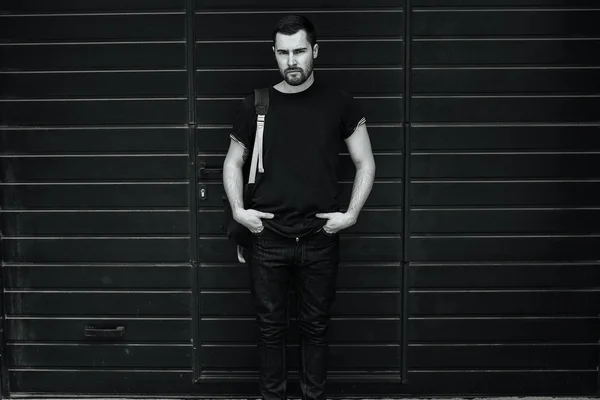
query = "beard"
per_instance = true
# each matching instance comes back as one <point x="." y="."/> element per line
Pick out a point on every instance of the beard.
<point x="296" y="76"/>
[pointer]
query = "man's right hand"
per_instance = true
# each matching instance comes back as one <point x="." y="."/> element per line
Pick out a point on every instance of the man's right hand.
<point x="252" y="219"/>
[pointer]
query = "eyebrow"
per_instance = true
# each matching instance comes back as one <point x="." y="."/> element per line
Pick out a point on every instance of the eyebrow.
<point x="286" y="50"/>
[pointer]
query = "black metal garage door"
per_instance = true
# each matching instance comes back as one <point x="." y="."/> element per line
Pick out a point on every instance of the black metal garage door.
<point x="361" y="50"/>
<point x="503" y="135"/>
<point x="117" y="279"/>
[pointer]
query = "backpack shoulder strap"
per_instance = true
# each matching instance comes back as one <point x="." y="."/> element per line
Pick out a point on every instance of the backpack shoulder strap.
<point x="261" y="106"/>
<point x="261" y="101"/>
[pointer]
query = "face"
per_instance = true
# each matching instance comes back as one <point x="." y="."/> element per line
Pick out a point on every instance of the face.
<point x="295" y="57"/>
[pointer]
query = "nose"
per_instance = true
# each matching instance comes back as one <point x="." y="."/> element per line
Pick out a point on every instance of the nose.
<point x="291" y="60"/>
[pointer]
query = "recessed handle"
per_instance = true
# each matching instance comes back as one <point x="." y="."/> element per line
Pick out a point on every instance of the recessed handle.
<point x="91" y="331"/>
<point x="203" y="170"/>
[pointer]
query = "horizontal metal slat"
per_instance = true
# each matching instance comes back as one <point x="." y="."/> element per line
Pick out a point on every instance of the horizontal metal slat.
<point x="94" y="196"/>
<point x="350" y="276"/>
<point x="352" y="248"/>
<point x="95" y="112"/>
<point x="341" y="358"/>
<point x="383" y="194"/>
<point x="383" y="138"/>
<point x="504" y="80"/>
<point x="511" y="23"/>
<point x="389" y="166"/>
<point x="233" y="5"/>
<point x="370" y="222"/>
<point x="70" y="329"/>
<point x="38" y="6"/>
<point x="238" y="330"/>
<point x="555" y="52"/>
<point x="355" y="303"/>
<point x="506" y="303"/>
<point x="383" y="357"/>
<point x="505" y="109"/>
<point x="87" y="140"/>
<point x="355" y="24"/>
<point x="332" y="53"/>
<point x="89" y="304"/>
<point x="505" y="221"/>
<point x="94" y="168"/>
<point x="508" y="137"/>
<point x="526" y="166"/>
<point x="579" y="382"/>
<point x="497" y="275"/>
<point x="578" y="248"/>
<point x="503" y="330"/>
<point x="502" y="357"/>
<point x="99" y="356"/>
<point x="376" y="110"/>
<point x="113" y="84"/>
<point x="153" y="250"/>
<point x="98" y="27"/>
<point x="505" y="3"/>
<point x="89" y="56"/>
<point x="501" y="193"/>
<point x="142" y="276"/>
<point x="173" y="276"/>
<point x="378" y="82"/>
<point x="126" y="223"/>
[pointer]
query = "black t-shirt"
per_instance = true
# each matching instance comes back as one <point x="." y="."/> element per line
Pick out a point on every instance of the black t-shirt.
<point x="301" y="142"/>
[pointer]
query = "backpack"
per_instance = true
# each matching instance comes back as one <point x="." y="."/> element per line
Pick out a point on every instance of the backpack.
<point x="235" y="231"/>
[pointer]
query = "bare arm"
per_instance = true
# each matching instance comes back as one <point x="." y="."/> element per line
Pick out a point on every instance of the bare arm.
<point x="232" y="175"/>
<point x="359" y="147"/>
<point x="361" y="153"/>
<point x="234" y="188"/>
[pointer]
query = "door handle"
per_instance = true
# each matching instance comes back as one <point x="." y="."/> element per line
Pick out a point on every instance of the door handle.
<point x="203" y="170"/>
<point x="91" y="331"/>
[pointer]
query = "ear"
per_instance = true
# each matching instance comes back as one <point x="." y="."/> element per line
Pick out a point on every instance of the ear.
<point x="316" y="50"/>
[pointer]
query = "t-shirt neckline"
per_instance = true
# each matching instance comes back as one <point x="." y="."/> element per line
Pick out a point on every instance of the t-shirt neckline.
<point x="297" y="94"/>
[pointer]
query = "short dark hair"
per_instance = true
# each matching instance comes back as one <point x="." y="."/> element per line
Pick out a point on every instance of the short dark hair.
<point x="291" y="24"/>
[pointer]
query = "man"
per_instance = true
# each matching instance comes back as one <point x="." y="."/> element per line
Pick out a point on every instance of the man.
<point x="294" y="213"/>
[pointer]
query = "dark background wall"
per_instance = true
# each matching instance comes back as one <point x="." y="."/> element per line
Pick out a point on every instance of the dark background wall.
<point x="504" y="194"/>
<point x="485" y="283"/>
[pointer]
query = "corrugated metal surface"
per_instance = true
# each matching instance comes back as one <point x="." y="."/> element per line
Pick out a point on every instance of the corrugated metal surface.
<point x="503" y="197"/>
<point x="94" y="190"/>
<point x="234" y="56"/>
<point x="101" y="106"/>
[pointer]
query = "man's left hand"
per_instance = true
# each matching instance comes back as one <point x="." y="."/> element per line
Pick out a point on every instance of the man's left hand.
<point x="337" y="221"/>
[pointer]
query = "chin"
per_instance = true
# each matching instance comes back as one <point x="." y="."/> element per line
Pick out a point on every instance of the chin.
<point x="296" y="82"/>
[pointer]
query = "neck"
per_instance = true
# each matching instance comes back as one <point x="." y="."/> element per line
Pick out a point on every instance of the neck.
<point x="285" y="87"/>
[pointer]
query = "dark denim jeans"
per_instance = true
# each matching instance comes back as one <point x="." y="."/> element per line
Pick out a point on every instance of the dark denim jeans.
<point x="311" y="265"/>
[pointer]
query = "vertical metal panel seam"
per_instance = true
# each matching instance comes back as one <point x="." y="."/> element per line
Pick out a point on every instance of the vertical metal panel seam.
<point x="598" y="363"/>
<point x="190" y="46"/>
<point x="4" y="382"/>
<point x="405" y="189"/>
<point x="193" y="185"/>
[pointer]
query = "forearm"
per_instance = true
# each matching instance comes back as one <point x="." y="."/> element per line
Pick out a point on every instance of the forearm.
<point x="234" y="186"/>
<point x="363" y="183"/>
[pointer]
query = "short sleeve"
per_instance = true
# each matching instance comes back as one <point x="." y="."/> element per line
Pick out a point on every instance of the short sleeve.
<point x="352" y="116"/>
<point x="243" y="124"/>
